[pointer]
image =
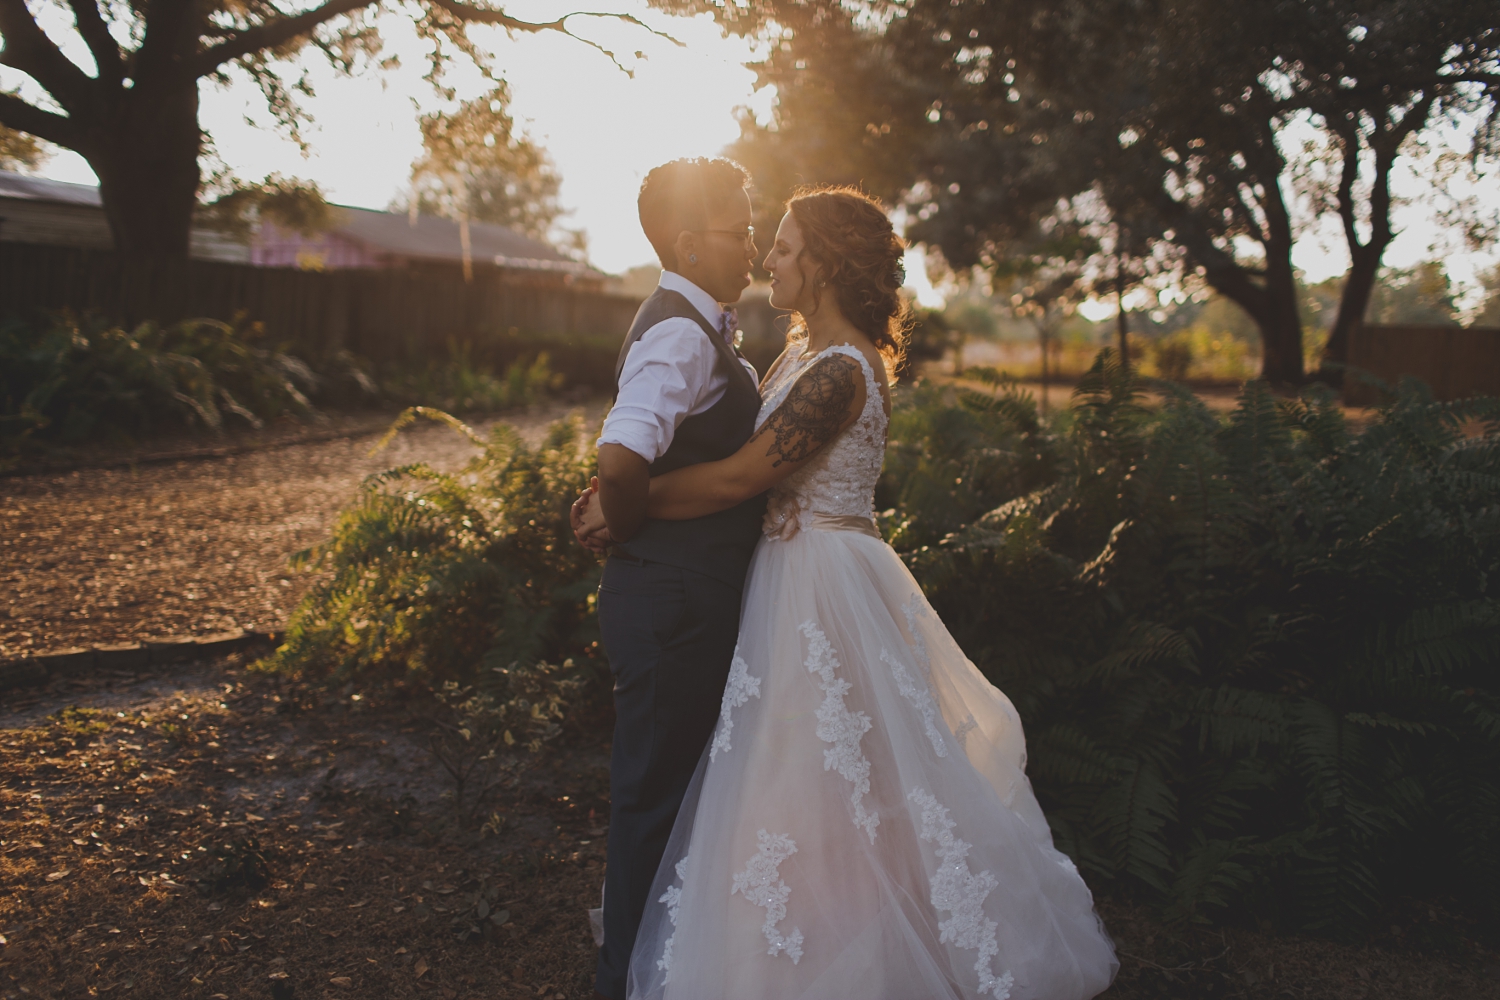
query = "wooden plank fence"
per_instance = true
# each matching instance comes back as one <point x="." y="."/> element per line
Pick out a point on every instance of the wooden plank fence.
<point x="1457" y="362"/>
<point x="383" y="315"/>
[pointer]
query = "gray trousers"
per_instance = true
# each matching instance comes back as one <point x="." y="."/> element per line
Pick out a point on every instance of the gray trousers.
<point x="669" y="634"/>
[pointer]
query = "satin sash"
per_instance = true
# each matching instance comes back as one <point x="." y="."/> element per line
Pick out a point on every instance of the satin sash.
<point x="839" y="522"/>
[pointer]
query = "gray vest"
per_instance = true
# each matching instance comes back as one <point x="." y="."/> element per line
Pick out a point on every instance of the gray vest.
<point x="717" y="545"/>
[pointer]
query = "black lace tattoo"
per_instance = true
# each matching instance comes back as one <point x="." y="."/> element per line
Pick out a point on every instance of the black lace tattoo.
<point x="814" y="411"/>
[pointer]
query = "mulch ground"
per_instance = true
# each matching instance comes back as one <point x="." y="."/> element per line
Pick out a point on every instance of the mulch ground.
<point x="217" y="833"/>
<point x="192" y="547"/>
<point x="134" y="808"/>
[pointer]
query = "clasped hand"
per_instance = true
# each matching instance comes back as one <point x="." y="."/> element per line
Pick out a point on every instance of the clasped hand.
<point x="587" y="519"/>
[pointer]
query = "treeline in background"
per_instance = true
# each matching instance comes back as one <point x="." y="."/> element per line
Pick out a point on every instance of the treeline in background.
<point x="1202" y="339"/>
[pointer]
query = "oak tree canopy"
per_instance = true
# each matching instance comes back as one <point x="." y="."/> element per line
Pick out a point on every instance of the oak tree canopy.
<point x="133" y="113"/>
<point x="1187" y="118"/>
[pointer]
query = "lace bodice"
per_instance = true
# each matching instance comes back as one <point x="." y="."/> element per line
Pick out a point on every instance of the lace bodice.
<point x="840" y="479"/>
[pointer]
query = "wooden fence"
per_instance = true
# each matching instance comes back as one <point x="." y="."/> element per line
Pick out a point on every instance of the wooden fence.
<point x="386" y="316"/>
<point x="1457" y="362"/>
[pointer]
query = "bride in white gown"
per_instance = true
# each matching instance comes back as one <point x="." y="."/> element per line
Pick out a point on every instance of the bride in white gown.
<point x="861" y="826"/>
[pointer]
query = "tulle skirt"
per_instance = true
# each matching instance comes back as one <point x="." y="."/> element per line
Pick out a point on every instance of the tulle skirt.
<point x="861" y="826"/>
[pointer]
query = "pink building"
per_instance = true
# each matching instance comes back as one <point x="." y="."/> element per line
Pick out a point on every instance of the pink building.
<point x="40" y="211"/>
<point x="365" y="238"/>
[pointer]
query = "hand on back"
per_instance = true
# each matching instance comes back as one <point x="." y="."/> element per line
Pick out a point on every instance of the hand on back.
<point x="587" y="519"/>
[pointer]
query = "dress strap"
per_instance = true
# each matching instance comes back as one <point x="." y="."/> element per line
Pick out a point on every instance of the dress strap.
<point x="872" y="384"/>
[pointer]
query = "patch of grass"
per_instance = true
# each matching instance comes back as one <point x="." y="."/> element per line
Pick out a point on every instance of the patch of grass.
<point x="81" y="724"/>
<point x="179" y="733"/>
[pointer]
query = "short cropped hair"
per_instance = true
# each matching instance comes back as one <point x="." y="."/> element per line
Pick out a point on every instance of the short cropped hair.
<point x="676" y="196"/>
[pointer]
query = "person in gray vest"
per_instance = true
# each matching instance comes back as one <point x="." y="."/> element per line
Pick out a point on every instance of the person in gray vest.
<point x="669" y="600"/>
<point x="860" y="824"/>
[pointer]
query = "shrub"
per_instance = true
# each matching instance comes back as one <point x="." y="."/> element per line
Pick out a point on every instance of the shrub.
<point x="72" y="381"/>
<point x="947" y="464"/>
<point x="78" y="379"/>
<point x="930" y="337"/>
<point x="238" y="864"/>
<point x="459" y="384"/>
<point x="1256" y="657"/>
<point x="580" y="359"/>
<point x="1173" y="357"/>
<point x="485" y="739"/>
<point x="1199" y="351"/>
<point x="435" y="576"/>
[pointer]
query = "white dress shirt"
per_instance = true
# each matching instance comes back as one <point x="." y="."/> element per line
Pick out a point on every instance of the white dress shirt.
<point x="668" y="376"/>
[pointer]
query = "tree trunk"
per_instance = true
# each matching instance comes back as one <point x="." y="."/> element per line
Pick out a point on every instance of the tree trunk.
<point x="146" y="157"/>
<point x="1268" y="296"/>
<point x="1364" y="257"/>
<point x="1281" y="324"/>
<point x="1124" y="328"/>
<point x="1272" y="304"/>
<point x="1041" y="336"/>
<point x="1353" y="301"/>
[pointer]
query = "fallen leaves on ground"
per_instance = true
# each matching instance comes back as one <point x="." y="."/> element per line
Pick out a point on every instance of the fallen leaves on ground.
<point x="372" y="887"/>
<point x="100" y="556"/>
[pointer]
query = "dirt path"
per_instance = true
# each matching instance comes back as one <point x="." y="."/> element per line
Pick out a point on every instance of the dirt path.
<point x="101" y="556"/>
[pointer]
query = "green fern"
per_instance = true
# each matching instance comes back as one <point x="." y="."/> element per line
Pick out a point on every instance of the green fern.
<point x="433" y="576"/>
<point x="1256" y="655"/>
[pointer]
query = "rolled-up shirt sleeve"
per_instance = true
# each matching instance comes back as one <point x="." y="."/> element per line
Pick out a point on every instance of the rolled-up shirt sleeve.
<point x="667" y="375"/>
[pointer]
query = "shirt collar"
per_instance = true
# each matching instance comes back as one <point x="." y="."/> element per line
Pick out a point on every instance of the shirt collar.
<point x="701" y="300"/>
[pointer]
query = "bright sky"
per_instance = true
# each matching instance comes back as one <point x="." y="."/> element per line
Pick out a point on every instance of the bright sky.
<point x="603" y="129"/>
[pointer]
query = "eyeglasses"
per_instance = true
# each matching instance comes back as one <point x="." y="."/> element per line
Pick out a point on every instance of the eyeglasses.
<point x="746" y="235"/>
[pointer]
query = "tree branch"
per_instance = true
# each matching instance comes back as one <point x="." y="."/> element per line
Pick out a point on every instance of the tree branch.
<point x="483" y="15"/>
<point x="1247" y="213"/>
<point x="270" y="34"/>
<point x="1489" y="79"/>
<point x="1348" y="137"/>
<point x="1385" y="156"/>
<point x="26" y="117"/>
<point x="28" y="49"/>
<point x="96" y="35"/>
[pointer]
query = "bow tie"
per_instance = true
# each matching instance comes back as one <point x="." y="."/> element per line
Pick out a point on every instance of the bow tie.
<point x="729" y="324"/>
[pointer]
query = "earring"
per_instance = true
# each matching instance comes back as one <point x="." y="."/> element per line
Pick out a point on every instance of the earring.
<point x="692" y="258"/>
<point x="822" y="284"/>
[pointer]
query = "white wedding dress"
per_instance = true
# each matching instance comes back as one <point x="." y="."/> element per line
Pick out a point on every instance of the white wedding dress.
<point x="861" y="826"/>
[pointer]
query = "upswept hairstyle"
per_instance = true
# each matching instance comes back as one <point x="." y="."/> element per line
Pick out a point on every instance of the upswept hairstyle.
<point x="847" y="234"/>
<point x="676" y="196"/>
